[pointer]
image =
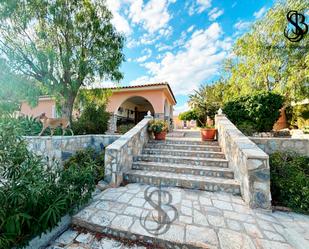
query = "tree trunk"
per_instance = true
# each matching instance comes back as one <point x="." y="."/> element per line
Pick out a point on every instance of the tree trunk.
<point x="67" y="107"/>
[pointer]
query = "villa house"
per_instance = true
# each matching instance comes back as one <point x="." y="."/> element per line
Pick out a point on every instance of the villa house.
<point x="128" y="104"/>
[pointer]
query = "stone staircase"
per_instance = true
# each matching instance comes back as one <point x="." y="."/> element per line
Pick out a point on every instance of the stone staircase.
<point x="184" y="162"/>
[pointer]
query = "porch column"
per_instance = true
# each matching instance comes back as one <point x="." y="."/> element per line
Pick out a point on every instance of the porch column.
<point x="112" y="123"/>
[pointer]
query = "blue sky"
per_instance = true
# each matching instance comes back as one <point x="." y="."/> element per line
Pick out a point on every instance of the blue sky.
<point x="180" y="42"/>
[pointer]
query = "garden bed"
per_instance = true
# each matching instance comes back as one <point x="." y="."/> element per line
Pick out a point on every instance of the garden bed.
<point x="290" y="181"/>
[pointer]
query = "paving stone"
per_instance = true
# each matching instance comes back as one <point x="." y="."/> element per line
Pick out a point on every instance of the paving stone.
<point x="267" y="244"/>
<point x="216" y="221"/>
<point x="213" y="211"/>
<point x="85" y="213"/>
<point x="125" y="198"/>
<point x="110" y="244"/>
<point x="122" y="222"/>
<point x="234" y="240"/>
<point x="233" y="224"/>
<point x="186" y="203"/>
<point x="175" y="233"/>
<point x="186" y="210"/>
<point x="199" y="227"/>
<point x="274" y="236"/>
<point x="205" y="201"/>
<point x="265" y="225"/>
<point x="138" y="202"/>
<point x="200" y="236"/>
<point x="133" y="211"/>
<point x="222" y="205"/>
<point x="136" y="228"/>
<point x="102" y="218"/>
<point x="238" y="216"/>
<point x="84" y="238"/>
<point x="105" y="205"/>
<point x="185" y="219"/>
<point x="200" y="218"/>
<point x="67" y="237"/>
<point x="76" y="246"/>
<point x="253" y="230"/>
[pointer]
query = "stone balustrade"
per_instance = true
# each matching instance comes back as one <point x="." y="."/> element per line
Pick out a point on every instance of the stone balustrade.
<point x="249" y="162"/>
<point x="119" y="155"/>
<point x="61" y="148"/>
<point x="273" y="144"/>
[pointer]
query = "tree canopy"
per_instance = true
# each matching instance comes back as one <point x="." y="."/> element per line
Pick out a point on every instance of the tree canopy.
<point x="62" y="44"/>
<point x="264" y="59"/>
<point x="15" y="88"/>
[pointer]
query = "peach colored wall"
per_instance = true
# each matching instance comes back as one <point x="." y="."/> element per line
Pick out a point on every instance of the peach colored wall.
<point x="47" y="106"/>
<point x="156" y="97"/>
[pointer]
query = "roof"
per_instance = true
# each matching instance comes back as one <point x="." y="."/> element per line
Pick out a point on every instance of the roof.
<point x="145" y="86"/>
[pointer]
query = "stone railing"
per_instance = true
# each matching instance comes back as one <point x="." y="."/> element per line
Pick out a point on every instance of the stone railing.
<point x="249" y="162"/>
<point x="273" y="144"/>
<point x="61" y="148"/>
<point x="119" y="155"/>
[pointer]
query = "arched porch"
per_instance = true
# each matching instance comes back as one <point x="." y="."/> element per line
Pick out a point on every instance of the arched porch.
<point x="130" y="111"/>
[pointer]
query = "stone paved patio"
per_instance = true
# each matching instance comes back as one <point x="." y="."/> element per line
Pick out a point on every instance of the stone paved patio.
<point x="205" y="220"/>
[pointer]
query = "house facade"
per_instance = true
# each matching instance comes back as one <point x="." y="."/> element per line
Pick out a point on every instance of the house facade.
<point x="45" y="104"/>
<point x="128" y="104"/>
<point x="131" y="104"/>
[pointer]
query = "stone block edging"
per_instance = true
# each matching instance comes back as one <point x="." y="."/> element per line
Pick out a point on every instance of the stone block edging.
<point x="119" y="155"/>
<point x="44" y="239"/>
<point x="272" y="144"/>
<point x="61" y="148"/>
<point x="249" y="162"/>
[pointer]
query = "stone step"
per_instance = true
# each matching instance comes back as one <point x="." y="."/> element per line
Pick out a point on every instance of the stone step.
<point x="158" y="178"/>
<point x="184" y="153"/>
<point x="185" y="169"/>
<point x="185" y="141"/>
<point x="183" y="147"/>
<point x="191" y="161"/>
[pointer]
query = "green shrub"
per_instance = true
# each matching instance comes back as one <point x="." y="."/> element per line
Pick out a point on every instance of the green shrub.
<point x="93" y="120"/>
<point x="189" y="115"/>
<point x="157" y="125"/>
<point x="124" y="128"/>
<point x="247" y="128"/>
<point x="33" y="195"/>
<point x="84" y="158"/>
<point x="260" y="109"/>
<point x="290" y="180"/>
<point x="29" y="126"/>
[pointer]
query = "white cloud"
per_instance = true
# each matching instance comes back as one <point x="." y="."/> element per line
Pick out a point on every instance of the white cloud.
<point x="153" y="15"/>
<point x="200" y="60"/>
<point x="260" y="13"/>
<point x="203" y="5"/>
<point x="198" y="6"/>
<point x="147" y="54"/>
<point x="121" y="24"/>
<point x="190" y="29"/>
<point x="242" y="25"/>
<point x="215" y="13"/>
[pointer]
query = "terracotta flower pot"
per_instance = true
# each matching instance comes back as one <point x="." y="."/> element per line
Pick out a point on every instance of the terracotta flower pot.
<point x="208" y="134"/>
<point x="160" y="136"/>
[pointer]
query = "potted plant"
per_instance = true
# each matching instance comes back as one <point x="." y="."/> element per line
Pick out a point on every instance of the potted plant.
<point x="159" y="128"/>
<point x="208" y="132"/>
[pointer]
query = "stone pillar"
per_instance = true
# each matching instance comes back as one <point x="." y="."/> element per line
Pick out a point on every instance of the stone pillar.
<point x="112" y="124"/>
<point x="159" y="116"/>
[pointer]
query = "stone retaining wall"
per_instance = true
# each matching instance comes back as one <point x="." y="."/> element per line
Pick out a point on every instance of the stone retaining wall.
<point x="272" y="144"/>
<point x="249" y="162"/>
<point x="119" y="155"/>
<point x="61" y="148"/>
